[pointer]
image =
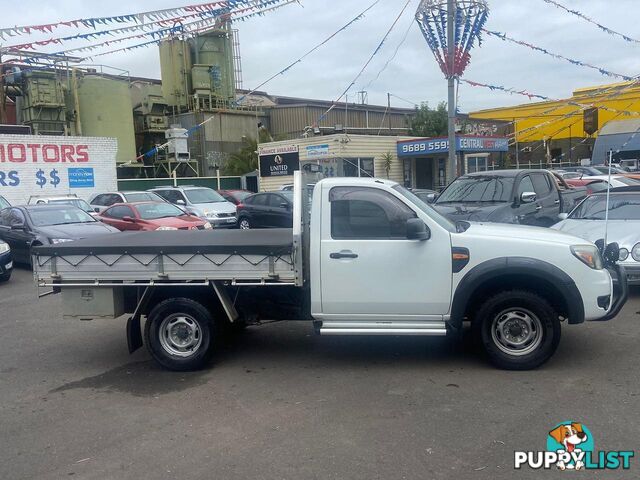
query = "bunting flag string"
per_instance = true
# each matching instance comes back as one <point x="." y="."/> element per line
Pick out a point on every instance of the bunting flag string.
<point x="505" y="37"/>
<point x="364" y="67"/>
<point x="590" y="20"/>
<point x="140" y="18"/>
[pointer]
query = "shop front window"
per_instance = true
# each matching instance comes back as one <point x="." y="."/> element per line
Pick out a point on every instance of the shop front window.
<point x="358" y="167"/>
<point x="476" y="164"/>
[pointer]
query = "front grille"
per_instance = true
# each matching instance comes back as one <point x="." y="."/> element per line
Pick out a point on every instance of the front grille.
<point x="226" y="215"/>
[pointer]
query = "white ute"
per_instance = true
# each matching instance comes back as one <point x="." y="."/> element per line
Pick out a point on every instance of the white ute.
<point x="370" y="259"/>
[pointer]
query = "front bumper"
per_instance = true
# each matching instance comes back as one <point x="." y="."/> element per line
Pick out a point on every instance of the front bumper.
<point x="6" y="264"/>
<point x="222" y="222"/>
<point x="633" y="273"/>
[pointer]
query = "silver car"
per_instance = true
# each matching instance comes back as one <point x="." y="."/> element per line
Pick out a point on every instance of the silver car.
<point x="203" y="202"/>
<point x="587" y="221"/>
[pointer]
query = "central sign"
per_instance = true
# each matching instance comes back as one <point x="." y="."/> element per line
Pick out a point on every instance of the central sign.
<point x="426" y="146"/>
<point x="279" y="161"/>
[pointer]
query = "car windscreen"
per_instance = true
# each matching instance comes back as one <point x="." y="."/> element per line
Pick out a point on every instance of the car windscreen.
<point x="622" y="206"/>
<point x="426" y="208"/>
<point x="203" y="195"/>
<point x="76" y="202"/>
<point x="478" y="188"/>
<point x="3" y="203"/>
<point x="632" y="182"/>
<point x="46" y="217"/>
<point x="240" y="196"/>
<point x="143" y="197"/>
<point x="287" y="194"/>
<point x="152" y="211"/>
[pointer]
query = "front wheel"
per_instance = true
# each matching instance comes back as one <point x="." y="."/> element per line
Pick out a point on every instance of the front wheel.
<point x="518" y="330"/>
<point x="244" y="223"/>
<point x="179" y="334"/>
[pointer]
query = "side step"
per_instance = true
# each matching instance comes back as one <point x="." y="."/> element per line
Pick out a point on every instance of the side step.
<point x="430" y="328"/>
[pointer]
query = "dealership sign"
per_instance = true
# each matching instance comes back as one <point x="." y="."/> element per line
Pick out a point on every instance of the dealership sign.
<point x="279" y="161"/>
<point x="317" y="151"/>
<point x="477" y="144"/>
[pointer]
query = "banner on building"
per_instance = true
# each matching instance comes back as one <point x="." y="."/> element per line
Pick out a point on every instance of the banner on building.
<point x="279" y="161"/>
<point x="466" y="143"/>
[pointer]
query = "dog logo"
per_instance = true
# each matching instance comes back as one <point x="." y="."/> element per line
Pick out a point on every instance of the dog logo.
<point x="573" y="440"/>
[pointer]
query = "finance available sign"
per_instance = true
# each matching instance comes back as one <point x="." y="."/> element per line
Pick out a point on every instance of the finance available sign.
<point x="279" y="161"/>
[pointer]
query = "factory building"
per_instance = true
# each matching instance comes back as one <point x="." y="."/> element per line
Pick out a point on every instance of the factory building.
<point x="565" y="131"/>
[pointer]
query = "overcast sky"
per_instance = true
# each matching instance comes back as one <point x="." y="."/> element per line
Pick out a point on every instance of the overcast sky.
<point x="270" y="42"/>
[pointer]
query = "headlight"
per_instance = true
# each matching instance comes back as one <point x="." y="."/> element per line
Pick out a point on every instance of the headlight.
<point x="4" y="248"/>
<point x="61" y="240"/>
<point x="635" y="252"/>
<point x="165" y="228"/>
<point x="624" y="254"/>
<point x="589" y="255"/>
<point x="207" y="226"/>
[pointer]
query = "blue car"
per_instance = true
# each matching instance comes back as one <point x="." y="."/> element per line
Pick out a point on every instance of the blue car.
<point x="6" y="262"/>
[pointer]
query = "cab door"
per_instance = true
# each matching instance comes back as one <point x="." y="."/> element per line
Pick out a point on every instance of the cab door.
<point x="526" y="213"/>
<point x="548" y="198"/>
<point x="368" y="267"/>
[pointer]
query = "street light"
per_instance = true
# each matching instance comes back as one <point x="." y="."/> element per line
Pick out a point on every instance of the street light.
<point x="451" y="29"/>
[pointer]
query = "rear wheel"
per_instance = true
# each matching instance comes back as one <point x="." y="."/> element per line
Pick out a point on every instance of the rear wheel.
<point x="179" y="334"/>
<point x="244" y="223"/>
<point x="518" y="330"/>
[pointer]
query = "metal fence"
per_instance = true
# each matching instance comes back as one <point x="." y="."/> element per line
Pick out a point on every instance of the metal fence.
<point x="226" y="183"/>
<point x="535" y="166"/>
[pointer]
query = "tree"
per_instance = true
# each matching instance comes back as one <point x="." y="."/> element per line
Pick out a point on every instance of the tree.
<point x="429" y="122"/>
<point x="387" y="162"/>
<point x="244" y="160"/>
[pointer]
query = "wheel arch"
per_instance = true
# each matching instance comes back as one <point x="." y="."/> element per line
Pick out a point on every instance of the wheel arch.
<point x="509" y="273"/>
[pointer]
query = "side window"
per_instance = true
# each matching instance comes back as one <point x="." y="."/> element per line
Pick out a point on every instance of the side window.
<point x="111" y="198"/>
<point x="16" y="217"/>
<point x="99" y="200"/>
<point x="541" y="185"/>
<point x="525" y="186"/>
<point x="260" y="200"/>
<point x="119" y="212"/>
<point x="367" y="213"/>
<point x="276" y="200"/>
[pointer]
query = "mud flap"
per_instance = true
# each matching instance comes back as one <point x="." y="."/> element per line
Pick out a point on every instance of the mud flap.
<point x="134" y="333"/>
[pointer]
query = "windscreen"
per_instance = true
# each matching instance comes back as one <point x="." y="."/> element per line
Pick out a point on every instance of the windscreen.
<point x="143" y="197"/>
<point x="204" y="195"/>
<point x="76" y="202"/>
<point x="478" y="188"/>
<point x="622" y="206"/>
<point x="46" y="217"/>
<point x="152" y="211"/>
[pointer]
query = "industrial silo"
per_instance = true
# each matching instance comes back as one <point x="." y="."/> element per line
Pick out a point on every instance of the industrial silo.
<point x="175" y="70"/>
<point x="104" y="110"/>
<point x="213" y="68"/>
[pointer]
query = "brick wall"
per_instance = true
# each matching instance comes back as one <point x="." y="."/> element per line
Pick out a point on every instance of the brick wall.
<point x="51" y="165"/>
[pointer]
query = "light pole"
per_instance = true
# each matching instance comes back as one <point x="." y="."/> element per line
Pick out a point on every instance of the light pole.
<point x="451" y="29"/>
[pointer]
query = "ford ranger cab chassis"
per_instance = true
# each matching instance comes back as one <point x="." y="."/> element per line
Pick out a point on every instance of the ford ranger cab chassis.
<point x="364" y="257"/>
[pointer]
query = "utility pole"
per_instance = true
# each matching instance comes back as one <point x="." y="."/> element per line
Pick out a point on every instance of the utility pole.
<point x="3" y="96"/>
<point x="452" y="171"/>
<point x="389" y="110"/>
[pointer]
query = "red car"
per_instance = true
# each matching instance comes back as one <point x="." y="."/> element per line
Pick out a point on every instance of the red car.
<point x="593" y="185"/>
<point x="147" y="216"/>
<point x="235" y="196"/>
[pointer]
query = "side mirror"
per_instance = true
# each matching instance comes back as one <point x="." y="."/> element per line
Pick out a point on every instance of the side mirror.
<point x="128" y="219"/>
<point x="432" y="197"/>
<point x="97" y="210"/>
<point x="417" y="230"/>
<point x="563" y="216"/>
<point x="528" y="197"/>
<point x="17" y="226"/>
<point x="180" y="202"/>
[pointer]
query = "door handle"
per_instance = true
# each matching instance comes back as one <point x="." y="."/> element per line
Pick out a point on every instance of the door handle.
<point x="557" y="202"/>
<point x="345" y="254"/>
<point x="538" y="208"/>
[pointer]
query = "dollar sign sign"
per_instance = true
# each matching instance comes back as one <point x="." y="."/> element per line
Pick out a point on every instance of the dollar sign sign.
<point x="55" y="179"/>
<point x="40" y="180"/>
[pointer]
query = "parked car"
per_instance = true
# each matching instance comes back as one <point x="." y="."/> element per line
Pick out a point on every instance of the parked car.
<point x="202" y="202"/>
<point x="62" y="200"/>
<point x="528" y="197"/>
<point x="567" y="175"/>
<point x="235" y="196"/>
<point x="6" y="262"/>
<point x="4" y="203"/>
<point x="592" y="185"/>
<point x="32" y="225"/>
<point x="266" y="210"/>
<point x="102" y="201"/>
<point x="618" y="181"/>
<point x="604" y="170"/>
<point x="585" y="171"/>
<point x="587" y="221"/>
<point x="424" y="194"/>
<point x="148" y="216"/>
<point x="630" y="165"/>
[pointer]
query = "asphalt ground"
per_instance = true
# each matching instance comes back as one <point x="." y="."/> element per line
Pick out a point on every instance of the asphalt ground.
<point x="279" y="402"/>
